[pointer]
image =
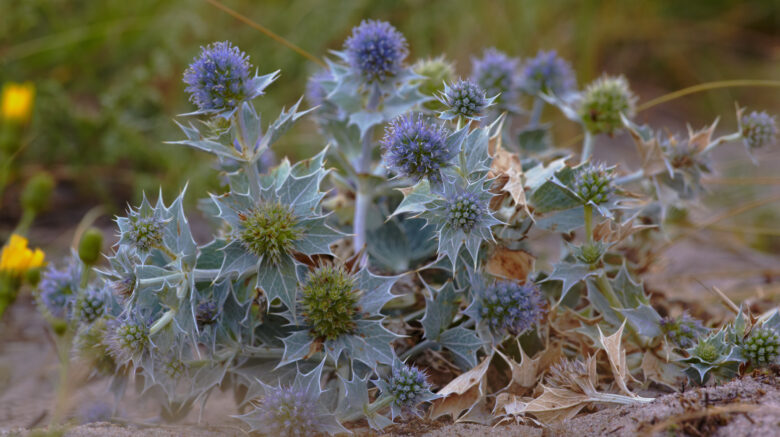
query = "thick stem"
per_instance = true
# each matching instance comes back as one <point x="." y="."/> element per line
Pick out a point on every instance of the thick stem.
<point x="370" y="409"/>
<point x="587" y="147"/>
<point x="364" y="195"/>
<point x="588" y="208"/>
<point x="536" y="112"/>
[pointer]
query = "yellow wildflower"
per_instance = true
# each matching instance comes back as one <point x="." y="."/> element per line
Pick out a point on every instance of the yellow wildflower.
<point x="17" y="101"/>
<point x="16" y="258"/>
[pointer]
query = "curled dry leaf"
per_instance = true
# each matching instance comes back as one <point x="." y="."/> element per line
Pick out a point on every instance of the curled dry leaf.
<point x="617" y="357"/>
<point x="650" y="153"/>
<point x="463" y="392"/>
<point x="526" y="374"/>
<point x="699" y="140"/>
<point x="510" y="264"/>
<point x="508" y="169"/>
<point x="610" y="231"/>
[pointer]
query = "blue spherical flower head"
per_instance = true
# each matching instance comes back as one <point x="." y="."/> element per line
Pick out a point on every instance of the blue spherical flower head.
<point x="315" y="91"/>
<point x="376" y="50"/>
<point x="682" y="331"/>
<point x="416" y="147"/>
<point x="464" y="98"/>
<point x="507" y="307"/>
<point x="408" y="386"/>
<point x="548" y="73"/>
<point x="58" y="288"/>
<point x="759" y="129"/>
<point x="496" y="73"/>
<point x="128" y="340"/>
<point x="220" y="79"/>
<point x="293" y="410"/>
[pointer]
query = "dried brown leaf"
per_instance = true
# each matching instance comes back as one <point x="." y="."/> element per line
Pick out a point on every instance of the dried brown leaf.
<point x="610" y="231"/>
<point x="699" y="140"/>
<point x="650" y="153"/>
<point x="556" y="404"/>
<point x="617" y="357"/>
<point x="463" y="392"/>
<point x="508" y="168"/>
<point x="510" y="264"/>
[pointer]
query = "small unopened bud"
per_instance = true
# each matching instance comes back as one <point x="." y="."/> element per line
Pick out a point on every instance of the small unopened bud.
<point x="37" y="193"/>
<point x="90" y="245"/>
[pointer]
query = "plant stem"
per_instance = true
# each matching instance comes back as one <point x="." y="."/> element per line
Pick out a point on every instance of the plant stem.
<point x="587" y="147"/>
<point x="370" y="409"/>
<point x="364" y="195"/>
<point x="588" y="208"/>
<point x="536" y="112"/>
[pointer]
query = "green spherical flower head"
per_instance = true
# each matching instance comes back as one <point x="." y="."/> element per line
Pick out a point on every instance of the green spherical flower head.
<point x="330" y="302"/>
<point x="173" y="368"/>
<point x="589" y="253"/>
<point x="37" y="192"/>
<point x="270" y="230"/>
<point x="132" y="337"/>
<point x="594" y="184"/>
<point x="603" y="102"/>
<point x="464" y="211"/>
<point x="762" y="347"/>
<point x="146" y="233"/>
<point x="706" y="351"/>
<point x="90" y="245"/>
<point x="434" y="73"/>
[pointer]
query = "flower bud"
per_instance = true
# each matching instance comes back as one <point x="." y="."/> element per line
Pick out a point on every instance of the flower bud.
<point x="37" y="193"/>
<point x="603" y="102"/>
<point x="330" y="302"/>
<point x="90" y="245"/>
<point x="762" y="347"/>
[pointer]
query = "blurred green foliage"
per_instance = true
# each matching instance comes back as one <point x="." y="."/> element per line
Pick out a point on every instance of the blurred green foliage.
<point x="108" y="73"/>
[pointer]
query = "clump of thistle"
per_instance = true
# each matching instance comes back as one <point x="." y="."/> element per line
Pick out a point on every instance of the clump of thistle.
<point x="464" y="99"/>
<point x="603" y="102"/>
<point x="464" y="210"/>
<point x="329" y="302"/>
<point x="408" y="387"/>
<point x="496" y="73"/>
<point x="435" y="73"/>
<point x="146" y="233"/>
<point x="682" y="331"/>
<point x="594" y="183"/>
<point x="219" y="79"/>
<point x="716" y="355"/>
<point x="759" y="129"/>
<point x="548" y="73"/>
<point x="376" y="50"/>
<point x="127" y="339"/>
<point x="58" y="288"/>
<point x="510" y="307"/>
<point x="92" y="305"/>
<point x="762" y="346"/>
<point x="206" y="313"/>
<point x="269" y="230"/>
<point x="416" y="147"/>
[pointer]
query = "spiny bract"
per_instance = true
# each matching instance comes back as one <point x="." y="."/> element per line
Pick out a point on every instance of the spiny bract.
<point x="376" y="50"/>
<point x="330" y="302"/>
<point x="415" y="147"/>
<point x="269" y="230"/>
<point x="603" y="102"/>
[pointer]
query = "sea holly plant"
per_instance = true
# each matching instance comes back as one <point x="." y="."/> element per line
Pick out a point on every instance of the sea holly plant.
<point x="356" y="285"/>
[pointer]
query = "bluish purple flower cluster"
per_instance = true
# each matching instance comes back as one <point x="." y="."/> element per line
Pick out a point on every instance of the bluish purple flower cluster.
<point x="287" y="411"/>
<point x="508" y="306"/>
<point x="465" y="99"/>
<point x="682" y="331"/>
<point x="759" y="129"/>
<point x="464" y="210"/>
<point x="92" y="305"/>
<point x="548" y="72"/>
<point x="416" y="147"/>
<point x="58" y="288"/>
<point x="376" y="50"/>
<point x="220" y="78"/>
<point x="407" y="384"/>
<point x="496" y="73"/>
<point x="206" y="313"/>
